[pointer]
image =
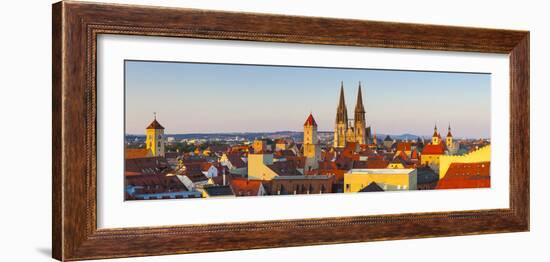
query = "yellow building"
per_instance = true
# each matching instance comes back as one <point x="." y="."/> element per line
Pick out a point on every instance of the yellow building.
<point x="396" y="165"/>
<point x="388" y="179"/>
<point x="480" y="155"/>
<point x="258" y="166"/>
<point x="155" y="138"/>
<point x="433" y="151"/>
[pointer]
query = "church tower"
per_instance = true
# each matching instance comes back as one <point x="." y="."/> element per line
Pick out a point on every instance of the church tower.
<point x="436" y="138"/>
<point x="350" y="133"/>
<point x="341" y="126"/>
<point x="312" y="150"/>
<point x="360" y="124"/>
<point x="155" y="138"/>
<point x="449" y="138"/>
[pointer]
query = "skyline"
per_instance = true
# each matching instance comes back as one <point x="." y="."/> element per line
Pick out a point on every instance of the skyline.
<point x="236" y="100"/>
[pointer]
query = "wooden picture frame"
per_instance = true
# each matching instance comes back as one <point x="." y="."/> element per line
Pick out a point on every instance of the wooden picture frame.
<point x="76" y="26"/>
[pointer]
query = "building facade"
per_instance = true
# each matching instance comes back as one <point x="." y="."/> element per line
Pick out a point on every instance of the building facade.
<point x="294" y="185"/>
<point x="350" y="130"/>
<point x="312" y="149"/>
<point x="155" y="138"/>
<point x="482" y="154"/>
<point x="388" y="179"/>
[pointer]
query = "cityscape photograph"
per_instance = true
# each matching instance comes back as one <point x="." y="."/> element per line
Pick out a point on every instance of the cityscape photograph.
<point x="207" y="130"/>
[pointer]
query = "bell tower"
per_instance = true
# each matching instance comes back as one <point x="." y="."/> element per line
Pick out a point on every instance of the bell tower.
<point x="155" y="137"/>
<point x="312" y="150"/>
<point x="436" y="138"/>
<point x="449" y="138"/>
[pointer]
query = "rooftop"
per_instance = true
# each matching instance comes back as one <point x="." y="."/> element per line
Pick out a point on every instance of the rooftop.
<point x="386" y="171"/>
<point x="310" y="121"/>
<point x="155" y="125"/>
<point x="218" y="190"/>
<point x="372" y="187"/>
<point x="320" y="177"/>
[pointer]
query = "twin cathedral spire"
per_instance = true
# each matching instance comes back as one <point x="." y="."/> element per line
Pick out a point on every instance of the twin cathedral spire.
<point x="350" y="130"/>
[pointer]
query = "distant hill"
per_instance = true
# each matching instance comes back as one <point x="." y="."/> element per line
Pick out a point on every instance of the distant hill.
<point x="257" y="135"/>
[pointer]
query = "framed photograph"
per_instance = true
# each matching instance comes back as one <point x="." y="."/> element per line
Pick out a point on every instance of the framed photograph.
<point x="182" y="130"/>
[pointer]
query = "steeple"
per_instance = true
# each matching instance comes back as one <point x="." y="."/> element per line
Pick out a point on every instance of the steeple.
<point x="360" y="124"/>
<point x="341" y="126"/>
<point x="155" y="124"/>
<point x="436" y="138"/>
<point x="342" y="111"/>
<point x="359" y="106"/>
<point x="310" y="121"/>
<point x="449" y="139"/>
<point x="449" y="132"/>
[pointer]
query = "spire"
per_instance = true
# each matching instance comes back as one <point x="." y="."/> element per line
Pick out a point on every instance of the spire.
<point x="359" y="106"/>
<point x="342" y="111"/>
<point x="435" y="131"/>
<point x="155" y="124"/>
<point x="449" y="133"/>
<point x="310" y="121"/>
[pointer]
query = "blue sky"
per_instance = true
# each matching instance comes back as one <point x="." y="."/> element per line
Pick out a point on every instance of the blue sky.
<point x="208" y="98"/>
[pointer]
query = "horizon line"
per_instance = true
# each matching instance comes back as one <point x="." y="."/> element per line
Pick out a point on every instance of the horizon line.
<point x="282" y="131"/>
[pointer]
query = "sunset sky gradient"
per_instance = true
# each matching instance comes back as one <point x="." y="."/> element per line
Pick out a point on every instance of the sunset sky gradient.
<point x="213" y="98"/>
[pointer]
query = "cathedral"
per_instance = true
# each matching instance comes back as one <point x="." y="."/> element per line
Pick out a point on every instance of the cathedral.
<point x="351" y="130"/>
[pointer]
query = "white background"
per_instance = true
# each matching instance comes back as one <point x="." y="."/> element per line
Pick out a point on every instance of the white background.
<point x="113" y="212"/>
<point x="25" y="106"/>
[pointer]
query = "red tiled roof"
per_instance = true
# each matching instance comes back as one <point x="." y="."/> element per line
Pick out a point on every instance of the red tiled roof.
<point x="377" y="163"/>
<point x="152" y="184"/>
<point x="414" y="154"/>
<point x="155" y="125"/>
<point x="283" y="153"/>
<point x="431" y="149"/>
<point x="310" y="121"/>
<point x="236" y="160"/>
<point x="136" y="153"/>
<point x="404" y="146"/>
<point x="146" y="165"/>
<point x="299" y="161"/>
<point x="466" y="175"/>
<point x="245" y="187"/>
<point x="402" y="156"/>
<point x="285" y="168"/>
